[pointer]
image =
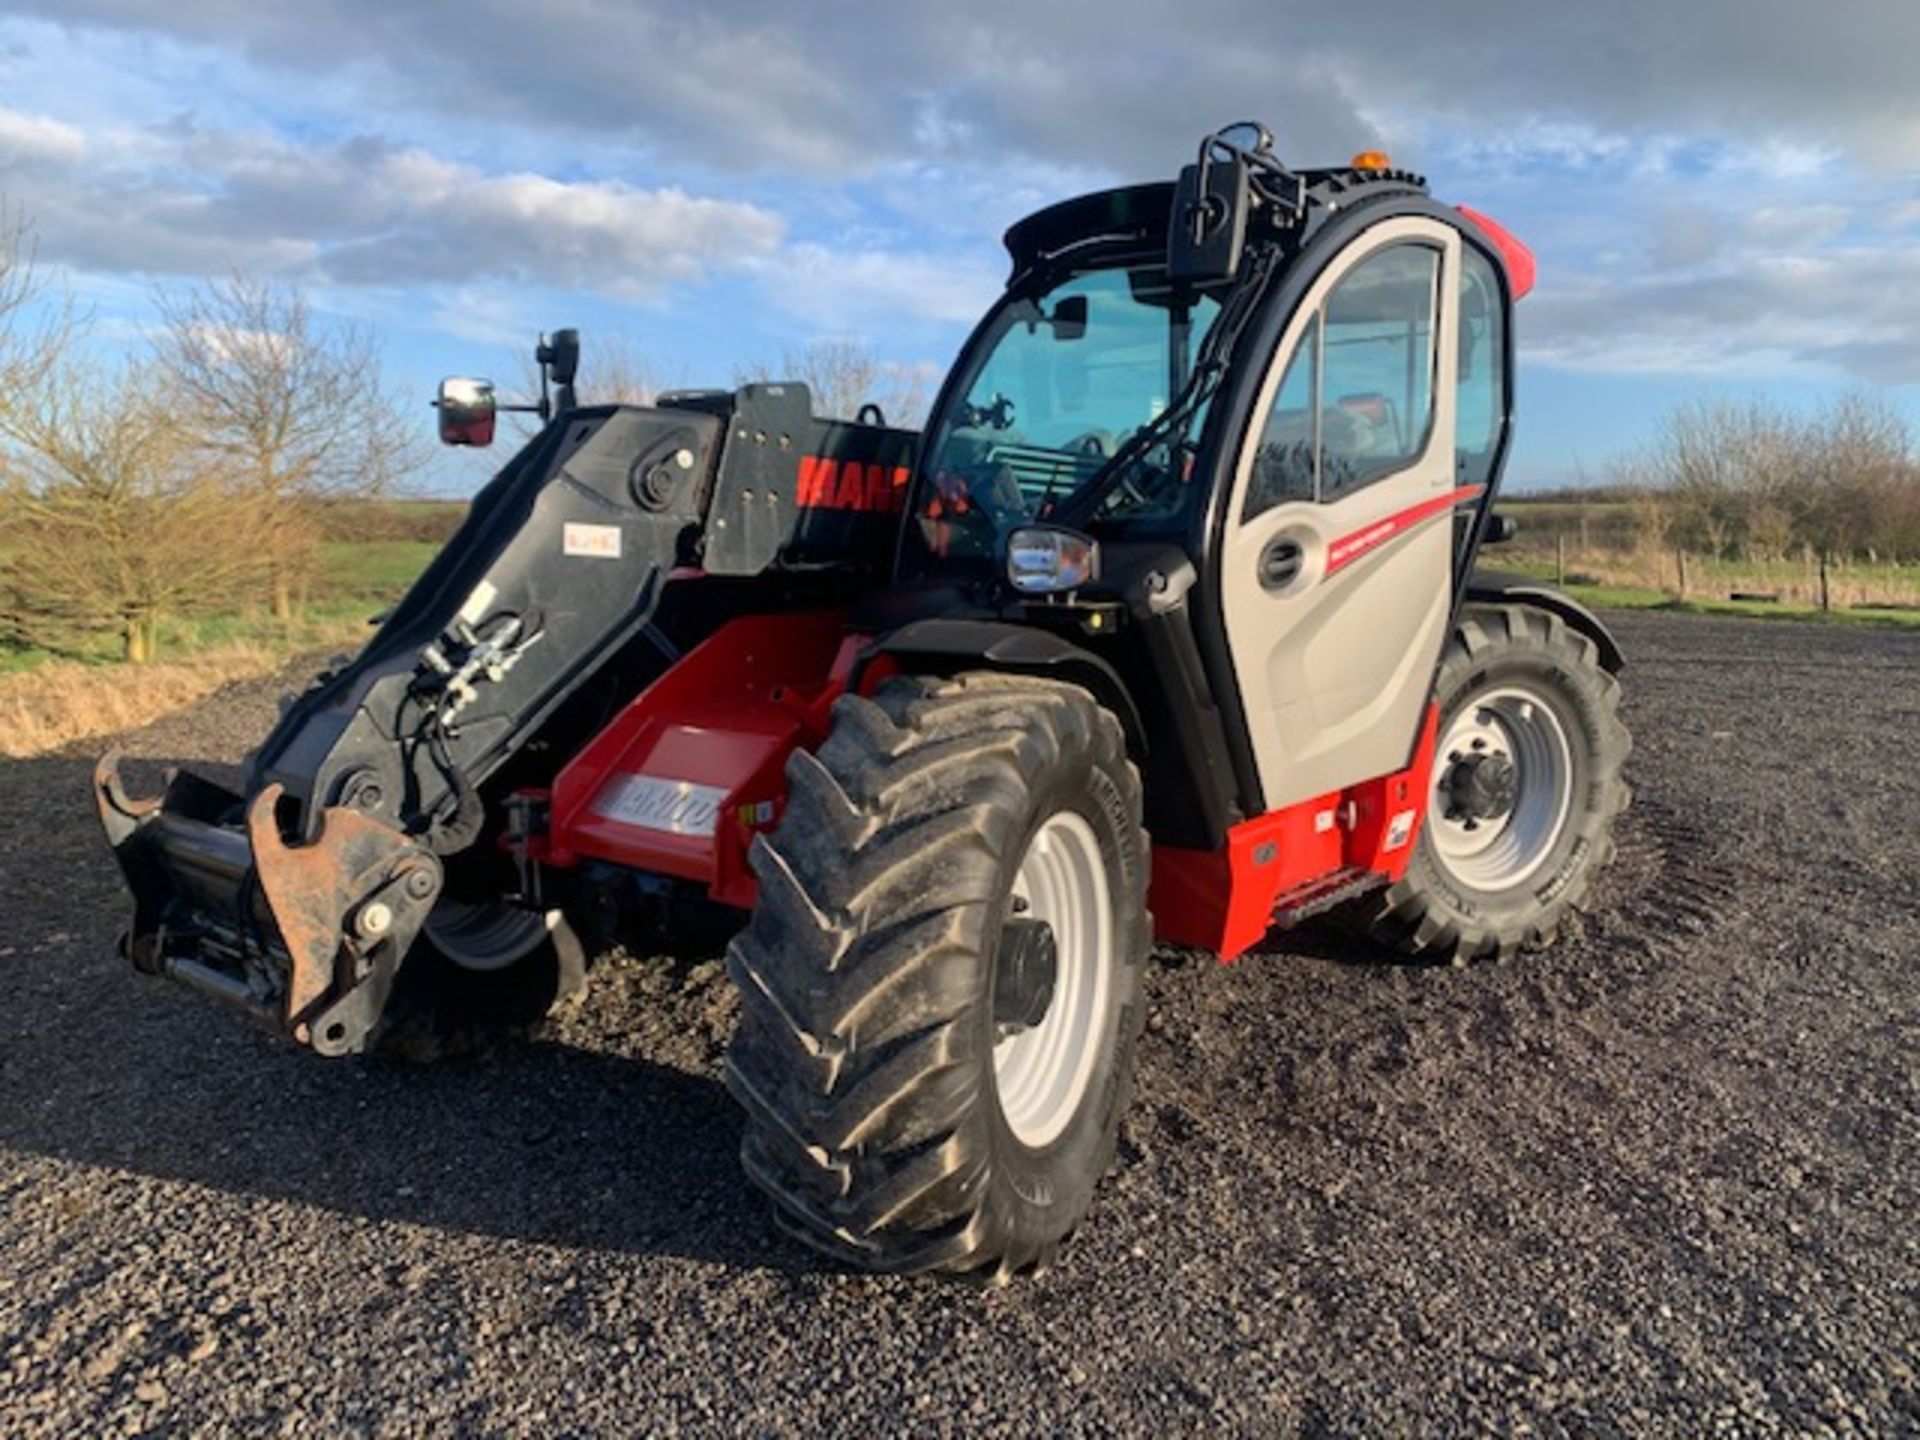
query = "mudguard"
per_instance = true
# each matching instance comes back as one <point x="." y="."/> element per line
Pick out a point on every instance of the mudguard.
<point x="944" y="647"/>
<point x="1495" y="587"/>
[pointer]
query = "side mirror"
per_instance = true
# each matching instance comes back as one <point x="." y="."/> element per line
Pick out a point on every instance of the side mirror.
<point x="1208" y="228"/>
<point x="1069" y="318"/>
<point x="467" y="411"/>
<point x="561" y="356"/>
<point x="1500" y="529"/>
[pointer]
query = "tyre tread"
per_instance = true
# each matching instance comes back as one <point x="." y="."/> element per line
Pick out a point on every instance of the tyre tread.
<point x="854" y="1061"/>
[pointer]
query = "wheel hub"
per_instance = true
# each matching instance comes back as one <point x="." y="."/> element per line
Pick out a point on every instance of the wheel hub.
<point x="1501" y="802"/>
<point x="1482" y="786"/>
<point x="1023" y="979"/>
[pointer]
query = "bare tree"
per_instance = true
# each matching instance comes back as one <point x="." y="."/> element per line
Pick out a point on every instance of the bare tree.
<point x="114" y="527"/>
<point x="614" y="372"/>
<point x="34" y="330"/>
<point x="283" y="407"/>
<point x="1758" y="481"/>
<point x="1858" y="472"/>
<point x="844" y="374"/>
<point x="36" y="324"/>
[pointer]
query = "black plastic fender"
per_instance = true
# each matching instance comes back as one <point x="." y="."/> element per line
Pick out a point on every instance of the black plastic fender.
<point x="946" y="647"/>
<point x="1496" y="587"/>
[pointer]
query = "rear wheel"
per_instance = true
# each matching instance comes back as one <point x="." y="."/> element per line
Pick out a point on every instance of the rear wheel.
<point x="942" y="978"/>
<point x="479" y="970"/>
<point x="1526" y="787"/>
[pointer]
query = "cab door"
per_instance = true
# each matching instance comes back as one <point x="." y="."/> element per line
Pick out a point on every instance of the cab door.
<point x="1338" y="557"/>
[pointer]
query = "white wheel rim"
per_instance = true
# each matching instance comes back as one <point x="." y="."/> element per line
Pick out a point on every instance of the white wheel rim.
<point x="1498" y="854"/>
<point x="1042" y="1072"/>
<point x="487" y="937"/>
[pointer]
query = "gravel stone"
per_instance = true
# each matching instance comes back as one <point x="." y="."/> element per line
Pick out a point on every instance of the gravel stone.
<point x="1660" y="1179"/>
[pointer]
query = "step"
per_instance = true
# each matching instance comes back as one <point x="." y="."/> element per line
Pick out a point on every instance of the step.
<point x="1317" y="897"/>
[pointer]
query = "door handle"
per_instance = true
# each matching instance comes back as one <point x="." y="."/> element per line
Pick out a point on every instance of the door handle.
<point x="1280" y="562"/>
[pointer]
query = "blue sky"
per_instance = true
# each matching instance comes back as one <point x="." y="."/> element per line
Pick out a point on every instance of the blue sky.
<point x="1724" y="196"/>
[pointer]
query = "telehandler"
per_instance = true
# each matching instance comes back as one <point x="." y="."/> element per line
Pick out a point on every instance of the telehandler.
<point x="1166" y="628"/>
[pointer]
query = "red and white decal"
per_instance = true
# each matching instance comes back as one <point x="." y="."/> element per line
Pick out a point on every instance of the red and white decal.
<point x="595" y="542"/>
<point x="1349" y="548"/>
<point x="851" y="485"/>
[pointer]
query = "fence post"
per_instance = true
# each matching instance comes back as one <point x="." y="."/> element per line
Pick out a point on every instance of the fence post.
<point x="1680" y="564"/>
<point x="1824" y="598"/>
<point x="1560" y="558"/>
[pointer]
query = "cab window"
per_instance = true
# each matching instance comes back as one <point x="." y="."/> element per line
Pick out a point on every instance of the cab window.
<point x="1356" y="402"/>
<point x="1483" y="385"/>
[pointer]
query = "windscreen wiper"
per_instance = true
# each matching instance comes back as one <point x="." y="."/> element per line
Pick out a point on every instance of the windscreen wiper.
<point x="1208" y="370"/>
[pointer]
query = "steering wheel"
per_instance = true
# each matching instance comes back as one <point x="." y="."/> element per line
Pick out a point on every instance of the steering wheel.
<point x="997" y="414"/>
<point x="1095" y="443"/>
<point x="1130" y="490"/>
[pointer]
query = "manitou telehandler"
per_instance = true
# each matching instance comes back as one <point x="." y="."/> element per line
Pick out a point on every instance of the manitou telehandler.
<point x="1166" y="628"/>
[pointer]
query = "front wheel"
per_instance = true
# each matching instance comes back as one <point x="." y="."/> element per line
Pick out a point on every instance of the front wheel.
<point x="1526" y="788"/>
<point x="480" y="969"/>
<point x="941" y="981"/>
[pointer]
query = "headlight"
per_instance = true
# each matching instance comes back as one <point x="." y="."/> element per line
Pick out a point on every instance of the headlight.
<point x="1046" y="560"/>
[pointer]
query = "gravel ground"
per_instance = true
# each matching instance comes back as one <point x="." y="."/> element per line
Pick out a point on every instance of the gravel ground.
<point x="1657" y="1180"/>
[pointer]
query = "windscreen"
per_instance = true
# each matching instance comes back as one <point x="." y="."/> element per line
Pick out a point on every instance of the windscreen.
<point x="1055" y="386"/>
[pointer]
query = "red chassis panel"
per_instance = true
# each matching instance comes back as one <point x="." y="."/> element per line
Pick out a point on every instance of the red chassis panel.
<point x="1225" y="900"/>
<point x="693" y="768"/>
<point x="684" y="777"/>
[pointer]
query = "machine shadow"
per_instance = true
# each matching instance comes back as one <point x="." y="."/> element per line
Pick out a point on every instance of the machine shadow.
<point x="557" y="1143"/>
<point x="592" y="1145"/>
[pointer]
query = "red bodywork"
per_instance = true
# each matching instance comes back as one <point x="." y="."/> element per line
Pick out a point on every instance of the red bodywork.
<point x="1226" y="900"/>
<point x="687" y="774"/>
<point x="1522" y="268"/>
<point x="720" y="725"/>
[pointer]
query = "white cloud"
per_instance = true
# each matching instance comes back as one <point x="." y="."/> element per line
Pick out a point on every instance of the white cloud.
<point x="768" y="86"/>
<point x="363" y="214"/>
<point x="866" y="290"/>
<point x="184" y="200"/>
<point x="484" y="316"/>
<point x="32" y="140"/>
<point x="1698" y="178"/>
<point x="1851" y="309"/>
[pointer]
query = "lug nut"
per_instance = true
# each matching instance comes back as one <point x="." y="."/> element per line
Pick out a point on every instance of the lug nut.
<point x="419" y="884"/>
<point x="375" y="920"/>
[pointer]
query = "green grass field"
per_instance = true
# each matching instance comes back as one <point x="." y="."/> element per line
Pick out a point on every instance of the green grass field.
<point x="355" y="580"/>
<point x="1628" y="597"/>
<point x="358" y="578"/>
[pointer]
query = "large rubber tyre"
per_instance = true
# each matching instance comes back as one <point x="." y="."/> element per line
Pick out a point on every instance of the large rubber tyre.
<point x="865" y="1055"/>
<point x="1468" y="906"/>
<point x="477" y="974"/>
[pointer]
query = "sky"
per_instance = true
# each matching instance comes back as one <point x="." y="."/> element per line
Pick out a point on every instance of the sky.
<point x="1724" y="195"/>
